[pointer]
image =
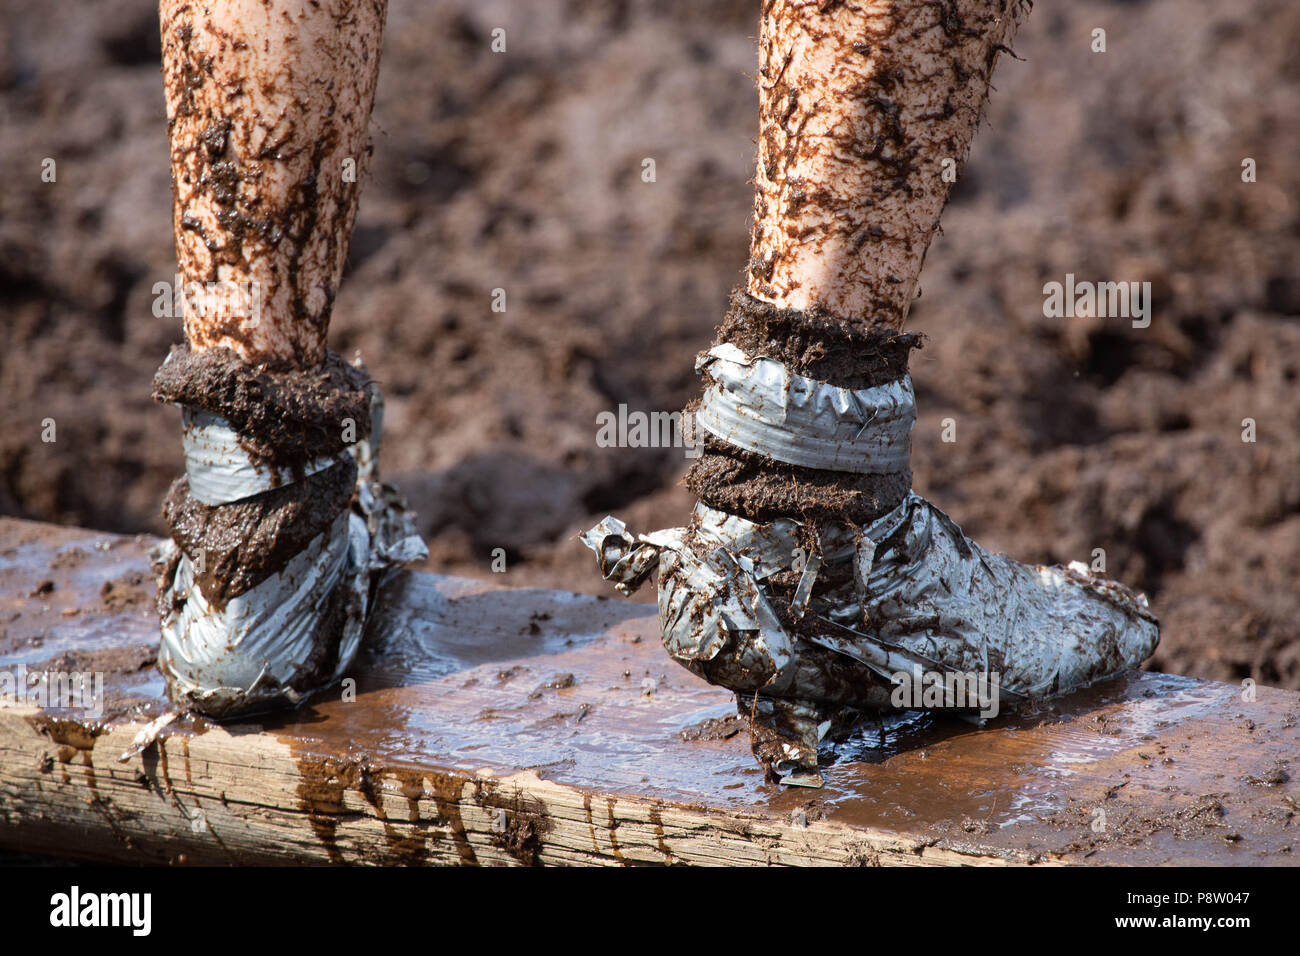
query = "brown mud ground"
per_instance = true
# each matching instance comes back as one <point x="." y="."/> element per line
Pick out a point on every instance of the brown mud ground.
<point x="522" y="171"/>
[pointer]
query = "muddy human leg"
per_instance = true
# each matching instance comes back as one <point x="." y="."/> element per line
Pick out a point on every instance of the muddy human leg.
<point x="268" y="116"/>
<point x="860" y="104"/>
<point x="280" y="522"/>
<point x="810" y="574"/>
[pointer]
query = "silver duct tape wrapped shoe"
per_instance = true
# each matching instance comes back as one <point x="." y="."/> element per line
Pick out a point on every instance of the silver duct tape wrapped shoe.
<point x="804" y="620"/>
<point x="245" y="649"/>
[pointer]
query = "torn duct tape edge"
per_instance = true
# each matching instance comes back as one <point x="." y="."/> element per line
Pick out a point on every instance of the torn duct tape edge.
<point x="248" y="655"/>
<point x="761" y="406"/>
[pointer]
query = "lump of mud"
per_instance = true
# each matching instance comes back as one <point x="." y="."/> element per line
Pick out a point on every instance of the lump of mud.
<point x="284" y="416"/>
<point x="245" y="542"/>
<point x="818" y="345"/>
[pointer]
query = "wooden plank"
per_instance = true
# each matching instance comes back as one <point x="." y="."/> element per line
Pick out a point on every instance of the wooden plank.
<point x="519" y="726"/>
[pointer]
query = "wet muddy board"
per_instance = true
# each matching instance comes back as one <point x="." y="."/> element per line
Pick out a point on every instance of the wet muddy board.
<point x="523" y="726"/>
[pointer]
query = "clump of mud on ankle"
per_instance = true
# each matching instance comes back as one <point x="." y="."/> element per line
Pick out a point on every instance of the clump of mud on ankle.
<point x="818" y="345"/>
<point x="825" y="348"/>
<point x="285" y="416"/>
<point x="245" y="542"/>
<point x="761" y="489"/>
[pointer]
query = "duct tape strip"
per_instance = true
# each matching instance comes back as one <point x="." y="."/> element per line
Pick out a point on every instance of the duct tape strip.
<point x="245" y="657"/>
<point x="219" y="469"/>
<point x="393" y="538"/>
<point x="710" y="598"/>
<point x="922" y="598"/>
<point x="759" y="405"/>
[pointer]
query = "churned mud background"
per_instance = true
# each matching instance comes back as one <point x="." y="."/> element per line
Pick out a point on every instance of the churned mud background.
<point x="523" y="171"/>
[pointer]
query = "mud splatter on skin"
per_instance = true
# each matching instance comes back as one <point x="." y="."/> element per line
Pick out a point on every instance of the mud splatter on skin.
<point x="267" y="100"/>
<point x="860" y="103"/>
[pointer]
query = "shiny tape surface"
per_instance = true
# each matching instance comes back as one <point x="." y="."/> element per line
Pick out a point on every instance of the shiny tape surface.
<point x="922" y="597"/>
<point x="220" y="470"/>
<point x="761" y="406"/>
<point x="246" y="654"/>
<point x="243" y="657"/>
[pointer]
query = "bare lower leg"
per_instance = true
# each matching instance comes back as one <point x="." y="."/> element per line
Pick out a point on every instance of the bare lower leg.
<point x="268" y="108"/>
<point x="860" y="105"/>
